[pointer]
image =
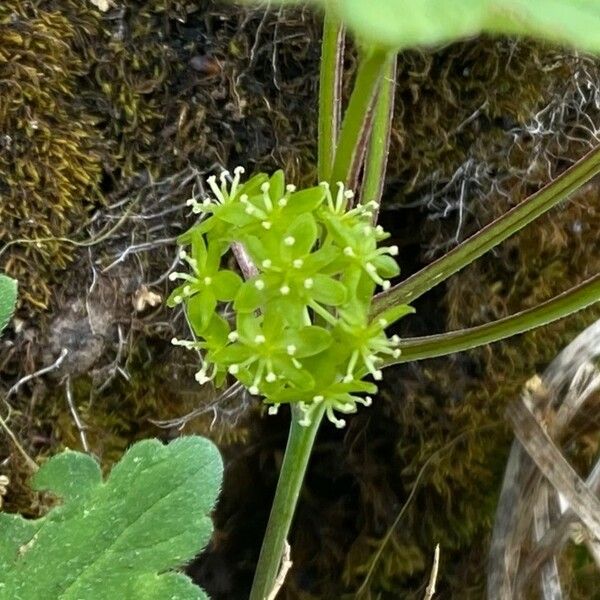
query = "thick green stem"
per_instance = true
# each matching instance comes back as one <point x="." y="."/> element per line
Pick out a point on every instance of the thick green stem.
<point x="330" y="84"/>
<point x="573" y="300"/>
<point x="379" y="143"/>
<point x="295" y="461"/>
<point x="354" y="134"/>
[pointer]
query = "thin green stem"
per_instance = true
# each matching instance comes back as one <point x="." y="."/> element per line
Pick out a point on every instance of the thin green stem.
<point x="379" y="142"/>
<point x="352" y="141"/>
<point x="575" y="299"/>
<point x="293" y="469"/>
<point x="490" y="236"/>
<point x="330" y="84"/>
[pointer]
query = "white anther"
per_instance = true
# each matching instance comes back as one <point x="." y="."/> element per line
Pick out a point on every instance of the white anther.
<point x="267" y="263"/>
<point x="386" y="285"/>
<point x="348" y="251"/>
<point x="285" y="290"/>
<point x="183" y="254"/>
<point x="177" y="300"/>
<point x="259" y="284"/>
<point x="396" y="353"/>
<point x="290" y="187"/>
<point x="253" y="389"/>
<point x="289" y="240"/>
<point x="233" y="336"/>
<point x="266" y="224"/>
<point x="207" y="280"/>
<point x="274" y="409"/>
<point x="271" y="377"/>
<point x="308" y="283"/>
<point x="318" y="398"/>
<point x="371" y="267"/>
<point x="377" y="375"/>
<point x="282" y="202"/>
<point x="382" y="322"/>
<point x="393" y="250"/>
<point x="259" y="339"/>
<point x="291" y="349"/>
<point x="234" y="369"/>
<point x="298" y="263"/>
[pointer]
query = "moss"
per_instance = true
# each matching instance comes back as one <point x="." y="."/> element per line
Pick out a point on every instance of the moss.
<point x="49" y="156"/>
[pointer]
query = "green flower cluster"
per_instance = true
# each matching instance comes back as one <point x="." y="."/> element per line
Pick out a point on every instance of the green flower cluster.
<point x="302" y="331"/>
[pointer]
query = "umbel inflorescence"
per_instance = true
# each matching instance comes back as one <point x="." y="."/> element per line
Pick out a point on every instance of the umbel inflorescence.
<point x="301" y="332"/>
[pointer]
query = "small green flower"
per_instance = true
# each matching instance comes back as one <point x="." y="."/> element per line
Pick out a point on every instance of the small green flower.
<point x="265" y="354"/>
<point x="206" y="285"/>
<point x="303" y="332"/>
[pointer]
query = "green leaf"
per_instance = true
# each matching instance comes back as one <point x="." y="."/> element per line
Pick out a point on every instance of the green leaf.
<point x="395" y="313"/>
<point x="304" y="232"/>
<point x="328" y="290"/>
<point x="120" y="538"/>
<point x="8" y="300"/>
<point x="305" y="200"/>
<point x="200" y="309"/>
<point x="309" y="340"/>
<point x="248" y="298"/>
<point x="386" y="266"/>
<point x="226" y="284"/>
<point x="399" y="24"/>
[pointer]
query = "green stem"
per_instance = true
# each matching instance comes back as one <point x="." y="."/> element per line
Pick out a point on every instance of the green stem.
<point x="490" y="236"/>
<point x="379" y="143"/>
<point x="351" y="145"/>
<point x="295" y="461"/>
<point x="575" y="299"/>
<point x="330" y="84"/>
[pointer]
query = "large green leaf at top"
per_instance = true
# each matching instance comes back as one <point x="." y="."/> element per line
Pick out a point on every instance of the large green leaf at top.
<point x="404" y="23"/>
<point x="119" y="538"/>
<point x="8" y="299"/>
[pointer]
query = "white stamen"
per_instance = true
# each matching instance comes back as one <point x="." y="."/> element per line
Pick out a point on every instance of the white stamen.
<point x="267" y="263"/>
<point x="285" y="290"/>
<point x="308" y="283"/>
<point x="298" y="263"/>
<point x="271" y="377"/>
<point x="253" y="389"/>
<point x="234" y="369"/>
<point x="274" y="409"/>
<point x="233" y="336"/>
<point x="289" y="241"/>
<point x="291" y="349"/>
<point x="259" y="339"/>
<point x="259" y="284"/>
<point x="348" y="251"/>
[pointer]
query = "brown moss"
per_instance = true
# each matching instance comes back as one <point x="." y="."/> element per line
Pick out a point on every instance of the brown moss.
<point x="49" y="160"/>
